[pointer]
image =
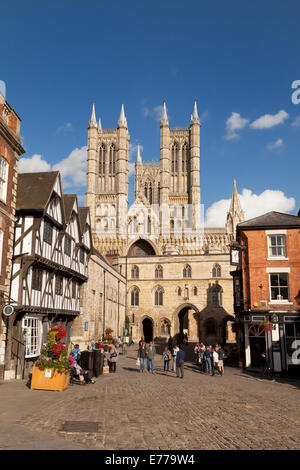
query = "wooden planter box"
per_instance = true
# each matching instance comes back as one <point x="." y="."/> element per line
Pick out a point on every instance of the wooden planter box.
<point x="49" y="379"/>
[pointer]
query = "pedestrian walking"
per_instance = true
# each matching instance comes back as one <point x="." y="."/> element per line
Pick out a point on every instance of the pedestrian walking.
<point x="266" y="365"/>
<point x="167" y="357"/>
<point x="112" y="358"/>
<point x="201" y="356"/>
<point x="180" y="358"/>
<point x="174" y="354"/>
<point x="142" y="355"/>
<point x="150" y="352"/>
<point x="221" y="354"/>
<point x="208" y="358"/>
<point x="215" y="362"/>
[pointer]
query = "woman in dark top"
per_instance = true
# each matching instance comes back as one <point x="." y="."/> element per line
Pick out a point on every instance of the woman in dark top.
<point x="142" y="356"/>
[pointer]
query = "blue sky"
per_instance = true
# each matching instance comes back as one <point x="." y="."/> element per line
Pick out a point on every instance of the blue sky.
<point x="238" y="59"/>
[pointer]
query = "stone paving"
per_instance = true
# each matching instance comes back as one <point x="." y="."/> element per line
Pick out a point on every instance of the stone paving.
<point x="143" y="411"/>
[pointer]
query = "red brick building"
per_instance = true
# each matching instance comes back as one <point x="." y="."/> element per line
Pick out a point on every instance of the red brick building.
<point x="10" y="150"/>
<point x="267" y="291"/>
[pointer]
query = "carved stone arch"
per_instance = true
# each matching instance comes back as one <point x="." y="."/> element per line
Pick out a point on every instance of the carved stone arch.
<point x="164" y="326"/>
<point x="147" y="247"/>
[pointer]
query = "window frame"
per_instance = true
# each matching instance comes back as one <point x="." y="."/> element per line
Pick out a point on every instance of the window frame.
<point x="37" y="279"/>
<point x="33" y="343"/>
<point x="48" y="232"/>
<point x="4" y="170"/>
<point x="276" y="246"/>
<point x="278" y="273"/>
<point x="158" y="297"/>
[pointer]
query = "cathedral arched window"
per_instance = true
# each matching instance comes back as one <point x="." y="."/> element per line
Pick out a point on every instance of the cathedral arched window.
<point x="187" y="272"/>
<point x="179" y="291"/>
<point x="146" y="191"/>
<point x="159" y="296"/>
<point x="174" y="156"/>
<point x="216" y="296"/>
<point x="195" y="291"/>
<point x="112" y="159"/>
<point x="135" y="272"/>
<point x="216" y="271"/>
<point x="102" y="151"/>
<point x="165" y="328"/>
<point x="150" y="193"/>
<point x="184" y="158"/>
<point x="159" y="272"/>
<point x="135" y="297"/>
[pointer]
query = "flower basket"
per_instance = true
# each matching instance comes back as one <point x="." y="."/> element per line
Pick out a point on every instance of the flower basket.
<point x="267" y="325"/>
<point x="52" y="370"/>
<point x="49" y="379"/>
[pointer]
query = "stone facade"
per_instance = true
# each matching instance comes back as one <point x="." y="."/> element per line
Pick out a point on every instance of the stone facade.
<point x="103" y="299"/>
<point x="162" y="229"/>
<point x="10" y="150"/>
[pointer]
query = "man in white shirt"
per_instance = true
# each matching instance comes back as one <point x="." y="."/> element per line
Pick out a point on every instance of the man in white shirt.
<point x="174" y="353"/>
<point x="215" y="362"/>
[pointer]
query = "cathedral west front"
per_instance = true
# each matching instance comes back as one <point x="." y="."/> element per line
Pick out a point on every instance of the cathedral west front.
<point x="177" y="269"/>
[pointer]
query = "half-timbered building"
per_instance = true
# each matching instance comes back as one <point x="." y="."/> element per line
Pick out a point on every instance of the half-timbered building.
<point x="51" y="253"/>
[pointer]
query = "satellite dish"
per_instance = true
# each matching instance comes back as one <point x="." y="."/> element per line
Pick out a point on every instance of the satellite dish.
<point x="8" y="310"/>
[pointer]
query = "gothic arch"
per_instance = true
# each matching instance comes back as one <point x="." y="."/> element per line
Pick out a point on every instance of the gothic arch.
<point x="146" y="246"/>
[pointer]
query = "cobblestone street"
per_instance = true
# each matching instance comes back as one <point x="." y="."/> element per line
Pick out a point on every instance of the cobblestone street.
<point x="143" y="411"/>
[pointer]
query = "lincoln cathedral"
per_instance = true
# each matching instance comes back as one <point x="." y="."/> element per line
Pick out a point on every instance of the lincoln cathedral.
<point x="177" y="269"/>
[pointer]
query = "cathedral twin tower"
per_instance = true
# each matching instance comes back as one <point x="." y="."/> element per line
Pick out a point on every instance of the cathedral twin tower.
<point x="173" y="182"/>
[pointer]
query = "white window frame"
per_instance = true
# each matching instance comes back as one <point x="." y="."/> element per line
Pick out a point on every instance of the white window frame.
<point x="271" y="233"/>
<point x="4" y="166"/>
<point x="271" y="271"/>
<point x="1" y="249"/>
<point x="33" y="332"/>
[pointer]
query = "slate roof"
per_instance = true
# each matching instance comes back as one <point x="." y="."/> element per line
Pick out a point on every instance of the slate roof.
<point x="68" y="202"/>
<point x="34" y="190"/>
<point x="82" y="213"/>
<point x="271" y="220"/>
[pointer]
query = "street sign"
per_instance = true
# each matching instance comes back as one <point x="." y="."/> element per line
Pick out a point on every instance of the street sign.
<point x="8" y="310"/>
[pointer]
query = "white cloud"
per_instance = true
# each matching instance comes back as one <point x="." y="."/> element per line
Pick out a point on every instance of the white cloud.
<point x="278" y="144"/>
<point x="72" y="168"/>
<point x="66" y="127"/>
<point x="252" y="204"/>
<point x="33" y="164"/>
<point x="133" y="150"/>
<point x="270" y="120"/>
<point x="234" y="122"/>
<point x="154" y="113"/>
<point x="296" y="123"/>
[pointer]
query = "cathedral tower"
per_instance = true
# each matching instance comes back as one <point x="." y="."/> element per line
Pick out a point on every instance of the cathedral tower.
<point x="107" y="182"/>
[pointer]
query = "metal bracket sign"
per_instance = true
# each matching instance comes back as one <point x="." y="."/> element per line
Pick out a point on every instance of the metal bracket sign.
<point x="8" y="310"/>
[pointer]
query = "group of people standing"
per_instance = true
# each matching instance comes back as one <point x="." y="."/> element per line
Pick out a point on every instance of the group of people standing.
<point x="209" y="359"/>
<point x="176" y="354"/>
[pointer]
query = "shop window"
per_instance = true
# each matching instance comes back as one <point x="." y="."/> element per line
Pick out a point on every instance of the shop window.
<point x="32" y="329"/>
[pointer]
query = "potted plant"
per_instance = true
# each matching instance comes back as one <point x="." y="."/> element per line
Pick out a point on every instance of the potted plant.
<point x="52" y="370"/>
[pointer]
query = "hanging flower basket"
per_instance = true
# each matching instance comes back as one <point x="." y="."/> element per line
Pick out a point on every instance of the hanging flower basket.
<point x="267" y="325"/>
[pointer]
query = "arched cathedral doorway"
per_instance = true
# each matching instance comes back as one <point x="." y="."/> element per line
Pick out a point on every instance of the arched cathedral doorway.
<point x="147" y="329"/>
<point x="187" y="323"/>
